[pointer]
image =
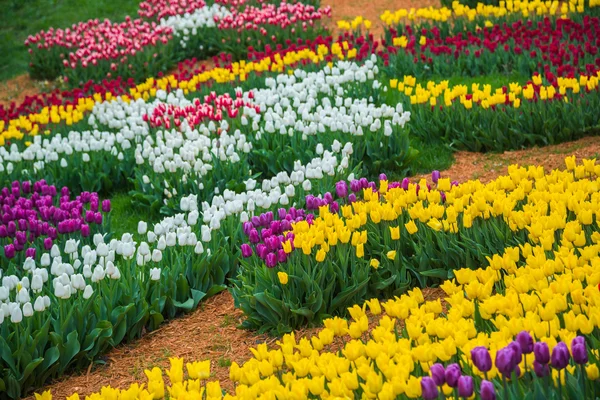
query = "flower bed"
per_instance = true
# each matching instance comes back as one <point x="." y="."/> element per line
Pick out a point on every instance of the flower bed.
<point x="474" y="341"/>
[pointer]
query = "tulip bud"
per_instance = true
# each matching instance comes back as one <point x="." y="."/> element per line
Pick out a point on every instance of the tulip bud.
<point x="481" y="358"/>
<point x="487" y="390"/>
<point x="540" y="370"/>
<point x="428" y="388"/>
<point x="452" y="374"/>
<point x="541" y="352"/>
<point x="87" y="292"/>
<point x="465" y="386"/>
<point x="437" y="373"/>
<point x="560" y="356"/>
<point x="16" y="315"/>
<point x="155" y="274"/>
<point x="525" y="341"/>
<point x="579" y="351"/>
<point x="27" y="309"/>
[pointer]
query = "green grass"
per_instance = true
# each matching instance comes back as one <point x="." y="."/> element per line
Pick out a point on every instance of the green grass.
<point x="21" y="18"/>
<point x="124" y="216"/>
<point x="431" y="156"/>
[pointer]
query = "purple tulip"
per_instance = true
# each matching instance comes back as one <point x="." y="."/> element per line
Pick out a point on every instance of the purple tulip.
<point x="281" y="213"/>
<point x="452" y="374"/>
<point x="271" y="260"/>
<point x="580" y="355"/>
<point x="481" y="358"/>
<point x="355" y="186"/>
<point x="517" y="352"/>
<point x="341" y="189"/>
<point x="334" y="207"/>
<point x="435" y="176"/>
<point x="246" y="250"/>
<point x="525" y="341"/>
<point x="383" y="177"/>
<point x="9" y="251"/>
<point x="3" y="231"/>
<point x="437" y="373"/>
<point x="98" y="218"/>
<point x="30" y="252"/>
<point x="253" y="236"/>
<point x="541" y="370"/>
<point x="578" y="339"/>
<point x="465" y="386"/>
<point x="48" y="243"/>
<point x="85" y="230"/>
<point x="505" y="360"/>
<point x="26" y="187"/>
<point x="541" y="352"/>
<point x="364" y="183"/>
<point x="487" y="390"/>
<point x="281" y="256"/>
<point x="560" y="356"/>
<point x="328" y="198"/>
<point x="352" y="198"/>
<point x="429" y="389"/>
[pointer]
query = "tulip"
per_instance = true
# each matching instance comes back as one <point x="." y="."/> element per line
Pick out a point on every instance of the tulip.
<point x="579" y="351"/>
<point x="465" y="386"/>
<point x="505" y="360"/>
<point x="246" y="250"/>
<point x="452" y="374"/>
<point x="437" y="373"/>
<point x="435" y="176"/>
<point x="429" y="389"/>
<point x="541" y="352"/>
<point x="560" y="356"/>
<point x="271" y="260"/>
<point x="481" y="358"/>
<point x="525" y="341"/>
<point x="487" y="390"/>
<point x="9" y="251"/>
<point x="540" y="370"/>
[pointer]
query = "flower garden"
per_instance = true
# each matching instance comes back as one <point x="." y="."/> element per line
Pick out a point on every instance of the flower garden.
<point x="299" y="172"/>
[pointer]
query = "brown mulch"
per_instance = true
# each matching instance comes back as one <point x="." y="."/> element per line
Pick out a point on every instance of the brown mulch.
<point x="488" y="166"/>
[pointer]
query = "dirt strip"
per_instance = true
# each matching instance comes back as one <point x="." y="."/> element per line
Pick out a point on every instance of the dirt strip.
<point x="488" y="166"/>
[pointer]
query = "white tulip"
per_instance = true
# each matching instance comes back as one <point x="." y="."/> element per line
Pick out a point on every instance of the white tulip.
<point x="155" y="274"/>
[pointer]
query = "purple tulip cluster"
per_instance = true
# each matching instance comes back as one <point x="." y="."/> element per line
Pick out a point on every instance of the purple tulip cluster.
<point x="29" y="211"/>
<point x="508" y="358"/>
<point x="453" y="377"/>
<point x="267" y="234"/>
<point x="507" y="362"/>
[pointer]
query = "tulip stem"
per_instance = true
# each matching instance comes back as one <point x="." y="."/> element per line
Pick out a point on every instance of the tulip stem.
<point x="505" y="387"/>
<point x="559" y="385"/>
<point x="582" y="379"/>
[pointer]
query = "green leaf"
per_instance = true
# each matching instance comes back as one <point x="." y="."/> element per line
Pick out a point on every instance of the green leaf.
<point x="439" y="273"/>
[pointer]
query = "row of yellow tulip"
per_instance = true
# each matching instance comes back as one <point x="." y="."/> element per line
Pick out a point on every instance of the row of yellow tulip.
<point x="484" y="95"/>
<point x="523" y="9"/>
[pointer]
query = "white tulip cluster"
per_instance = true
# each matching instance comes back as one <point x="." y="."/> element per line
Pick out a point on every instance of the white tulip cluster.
<point x="187" y="25"/>
<point x="296" y="103"/>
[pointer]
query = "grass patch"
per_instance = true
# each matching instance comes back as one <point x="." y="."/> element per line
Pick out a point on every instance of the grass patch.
<point x="224" y="362"/>
<point x="21" y="18"/>
<point x="432" y="156"/>
<point x="124" y="215"/>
